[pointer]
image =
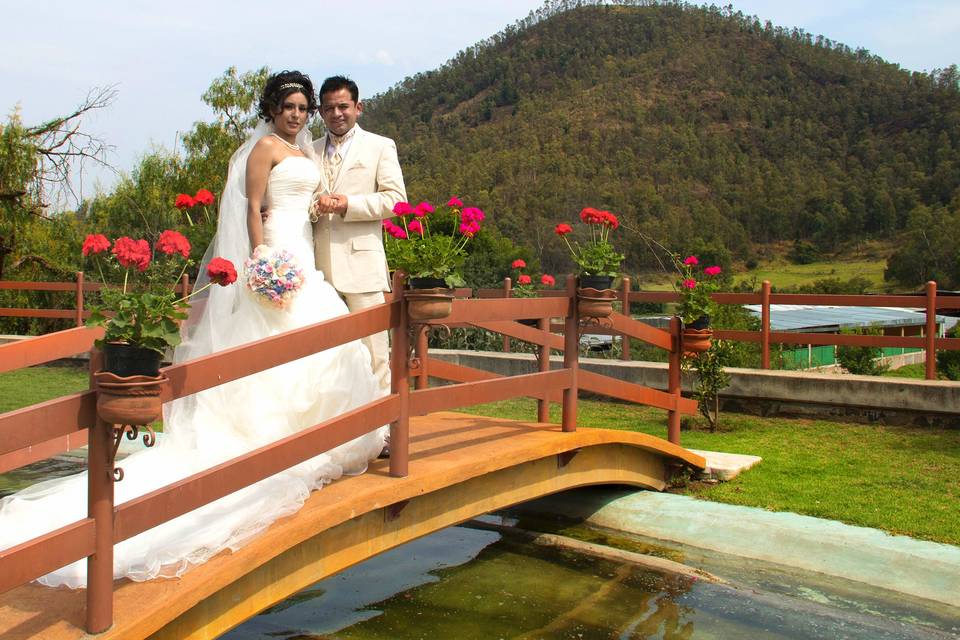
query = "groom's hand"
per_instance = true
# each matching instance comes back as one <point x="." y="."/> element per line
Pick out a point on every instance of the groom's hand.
<point x="264" y="214"/>
<point x="335" y="203"/>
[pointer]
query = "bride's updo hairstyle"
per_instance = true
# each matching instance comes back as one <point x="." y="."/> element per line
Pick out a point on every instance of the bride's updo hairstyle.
<point x="279" y="86"/>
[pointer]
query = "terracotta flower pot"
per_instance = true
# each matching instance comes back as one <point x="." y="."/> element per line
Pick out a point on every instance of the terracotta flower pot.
<point x="595" y="303"/>
<point x="133" y="400"/>
<point x="429" y="304"/>
<point x="696" y="340"/>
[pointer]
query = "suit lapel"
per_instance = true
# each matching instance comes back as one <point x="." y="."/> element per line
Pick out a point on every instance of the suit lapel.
<point x="353" y="157"/>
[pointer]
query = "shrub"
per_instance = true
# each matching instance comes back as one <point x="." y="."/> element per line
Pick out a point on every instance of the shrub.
<point x="861" y="360"/>
<point x="948" y="362"/>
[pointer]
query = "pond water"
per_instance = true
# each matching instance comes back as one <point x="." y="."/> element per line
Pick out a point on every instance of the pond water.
<point x="465" y="583"/>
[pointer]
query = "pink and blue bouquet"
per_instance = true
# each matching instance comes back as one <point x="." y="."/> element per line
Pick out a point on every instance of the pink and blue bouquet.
<point x="274" y="276"/>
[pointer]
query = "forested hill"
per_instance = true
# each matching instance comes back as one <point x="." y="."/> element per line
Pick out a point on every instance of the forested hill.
<point x="689" y="122"/>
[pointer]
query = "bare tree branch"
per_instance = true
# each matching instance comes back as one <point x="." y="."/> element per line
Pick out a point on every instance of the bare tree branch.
<point x="62" y="150"/>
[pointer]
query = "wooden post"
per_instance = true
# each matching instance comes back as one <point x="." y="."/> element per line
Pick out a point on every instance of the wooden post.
<point x="625" y="310"/>
<point x="399" y="384"/>
<point x="507" y="288"/>
<point x="78" y="316"/>
<point x="100" y="509"/>
<point x="421" y="349"/>
<point x="931" y="331"/>
<point x="184" y="285"/>
<point x="543" y="360"/>
<point x="765" y="325"/>
<point x="673" y="379"/>
<point x="571" y="356"/>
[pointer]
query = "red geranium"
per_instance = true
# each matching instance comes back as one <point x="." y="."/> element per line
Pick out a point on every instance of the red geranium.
<point x="455" y="202"/>
<point x="402" y="209"/>
<point x="712" y="271"/>
<point x="171" y="242"/>
<point x="547" y="280"/>
<point x="518" y="264"/>
<point x="691" y="260"/>
<point x="204" y="198"/>
<point x="95" y="243"/>
<point x="610" y="219"/>
<point x="423" y="209"/>
<point x="563" y="229"/>
<point x="132" y="253"/>
<point x="221" y="271"/>
<point x="524" y="279"/>
<point x="472" y="214"/>
<point x="183" y="201"/>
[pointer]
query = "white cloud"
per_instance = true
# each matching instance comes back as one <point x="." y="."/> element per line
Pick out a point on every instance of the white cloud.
<point x="383" y="57"/>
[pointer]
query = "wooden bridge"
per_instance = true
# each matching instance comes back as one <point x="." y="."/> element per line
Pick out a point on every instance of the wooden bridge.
<point x="445" y="468"/>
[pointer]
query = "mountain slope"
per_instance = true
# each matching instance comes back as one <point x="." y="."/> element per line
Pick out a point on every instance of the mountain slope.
<point x="704" y="129"/>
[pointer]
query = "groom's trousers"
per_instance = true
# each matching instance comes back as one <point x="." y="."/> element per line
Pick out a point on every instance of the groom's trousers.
<point x="378" y="344"/>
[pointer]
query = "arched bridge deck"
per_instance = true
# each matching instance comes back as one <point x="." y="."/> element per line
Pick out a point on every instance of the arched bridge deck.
<point x="462" y="466"/>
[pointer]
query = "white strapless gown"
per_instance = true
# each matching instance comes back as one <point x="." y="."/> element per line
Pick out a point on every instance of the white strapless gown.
<point x="219" y="424"/>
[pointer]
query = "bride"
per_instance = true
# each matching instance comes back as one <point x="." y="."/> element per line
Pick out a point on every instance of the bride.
<point x="274" y="168"/>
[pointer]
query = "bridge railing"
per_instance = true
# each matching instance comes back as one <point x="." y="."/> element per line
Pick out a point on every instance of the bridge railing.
<point x="929" y="302"/>
<point x="79" y="287"/>
<point x="54" y="426"/>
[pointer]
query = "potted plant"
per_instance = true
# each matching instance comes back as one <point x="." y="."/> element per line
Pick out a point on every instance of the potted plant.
<point x="597" y="261"/>
<point x="525" y="285"/>
<point x="429" y="246"/>
<point x="694" y="285"/>
<point x="140" y="312"/>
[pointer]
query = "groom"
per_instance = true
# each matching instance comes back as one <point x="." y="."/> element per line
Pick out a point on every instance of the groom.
<point x="360" y="183"/>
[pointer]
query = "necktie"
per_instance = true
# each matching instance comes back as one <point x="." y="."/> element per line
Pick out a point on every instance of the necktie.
<point x="335" y="159"/>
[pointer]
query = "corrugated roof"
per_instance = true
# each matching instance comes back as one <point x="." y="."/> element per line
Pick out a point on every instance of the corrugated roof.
<point x="814" y="319"/>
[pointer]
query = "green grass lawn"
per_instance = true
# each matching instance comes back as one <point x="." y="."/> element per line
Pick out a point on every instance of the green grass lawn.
<point x="782" y="274"/>
<point x="901" y="480"/>
<point x="898" y="479"/>
<point x="918" y="371"/>
<point x="24" y="387"/>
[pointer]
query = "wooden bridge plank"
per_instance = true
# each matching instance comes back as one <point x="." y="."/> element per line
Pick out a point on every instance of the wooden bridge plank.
<point x="459" y="464"/>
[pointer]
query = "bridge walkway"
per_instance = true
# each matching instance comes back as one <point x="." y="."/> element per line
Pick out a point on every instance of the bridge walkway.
<point x="461" y="466"/>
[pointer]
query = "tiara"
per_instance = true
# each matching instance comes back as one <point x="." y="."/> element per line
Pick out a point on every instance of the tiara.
<point x="291" y="85"/>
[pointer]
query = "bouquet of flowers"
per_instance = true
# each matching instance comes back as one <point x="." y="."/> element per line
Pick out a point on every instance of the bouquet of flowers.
<point x="274" y="276"/>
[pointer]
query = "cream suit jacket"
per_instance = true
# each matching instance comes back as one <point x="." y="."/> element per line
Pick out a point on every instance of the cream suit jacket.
<point x="349" y="250"/>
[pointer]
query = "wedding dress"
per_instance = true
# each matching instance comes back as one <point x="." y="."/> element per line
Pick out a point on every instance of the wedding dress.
<point x="218" y="424"/>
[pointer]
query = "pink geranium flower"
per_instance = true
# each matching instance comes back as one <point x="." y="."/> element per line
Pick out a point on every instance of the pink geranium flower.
<point x="712" y="271"/>
<point x="691" y="260"/>
<point x="690" y="283"/>
<point x="423" y="209"/>
<point x="455" y="202"/>
<point x="402" y="209"/>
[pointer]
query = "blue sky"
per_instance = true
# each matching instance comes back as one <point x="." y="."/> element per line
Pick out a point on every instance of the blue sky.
<point x="163" y="55"/>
